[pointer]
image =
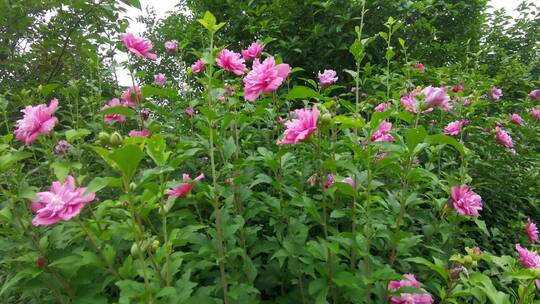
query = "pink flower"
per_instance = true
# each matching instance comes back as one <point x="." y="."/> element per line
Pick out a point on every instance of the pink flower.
<point x="536" y="113"/>
<point x="37" y="120"/>
<point x="197" y="66"/>
<point x="300" y="128"/>
<point x="160" y="79"/>
<point x="229" y="91"/>
<point x="327" y="78"/>
<point x="265" y="77"/>
<point x="535" y="94"/>
<point x="383" y="107"/>
<point x="137" y="45"/>
<point x="516" y="119"/>
<point x="412" y="298"/>
<point x="496" y="93"/>
<point x="466" y="102"/>
<point x="455" y="127"/>
<point x="329" y="181"/>
<point x="253" y="51"/>
<point x="135" y="133"/>
<point x="476" y="250"/>
<point x="532" y="231"/>
<point x="465" y="201"/>
<point x="409" y="281"/>
<point x="171" y="46"/>
<point x="437" y="97"/>
<point x="350" y="181"/>
<point x="382" y="133"/>
<point x="458" y="88"/>
<point x="419" y="67"/>
<point x="231" y="61"/>
<point x="505" y="139"/>
<point x="110" y="118"/>
<point x="183" y="189"/>
<point x="529" y="259"/>
<point x="353" y="90"/>
<point x="189" y="111"/>
<point x="131" y="96"/>
<point x="62" y="203"/>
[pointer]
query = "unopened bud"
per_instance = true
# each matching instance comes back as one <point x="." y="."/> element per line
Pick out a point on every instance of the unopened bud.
<point x="116" y="139"/>
<point x="104" y="138"/>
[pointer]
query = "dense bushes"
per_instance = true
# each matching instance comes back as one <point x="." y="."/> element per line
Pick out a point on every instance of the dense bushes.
<point x="243" y="178"/>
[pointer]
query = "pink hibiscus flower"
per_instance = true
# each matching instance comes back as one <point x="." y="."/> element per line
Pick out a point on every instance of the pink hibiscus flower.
<point x="110" y="118"/>
<point x="62" y="203"/>
<point x="465" y="201"/>
<point x="532" y="231"/>
<point x="37" y="120"/>
<point x="138" y="45"/>
<point x="131" y="96"/>
<point x="327" y="78"/>
<point x="382" y="133"/>
<point x="253" y="51"/>
<point x="198" y="66"/>
<point x="183" y="189"/>
<point x="231" y="61"/>
<point x="265" y="77"/>
<point x="135" y="133"/>
<point x="300" y="128"/>
<point x="516" y="119"/>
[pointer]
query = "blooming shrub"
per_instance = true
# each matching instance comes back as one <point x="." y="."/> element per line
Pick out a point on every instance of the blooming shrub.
<point x="306" y="191"/>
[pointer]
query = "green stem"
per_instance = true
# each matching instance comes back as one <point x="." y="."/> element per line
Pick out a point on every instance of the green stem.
<point x="217" y="210"/>
<point x="525" y="292"/>
<point x="325" y="221"/>
<point x="110" y="267"/>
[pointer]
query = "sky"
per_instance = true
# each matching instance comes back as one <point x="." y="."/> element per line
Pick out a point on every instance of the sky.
<point x="162" y="7"/>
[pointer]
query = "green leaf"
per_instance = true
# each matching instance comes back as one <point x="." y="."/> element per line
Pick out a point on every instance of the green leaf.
<point x="134" y="3"/>
<point x="441" y="139"/>
<point x="228" y="147"/>
<point x="8" y="160"/>
<point x="127" y="158"/>
<point x="302" y="92"/>
<point x="99" y="183"/>
<point x="345" y="278"/>
<point x="357" y="50"/>
<point x="118" y="110"/>
<point x="72" y="135"/>
<point x="155" y="147"/>
<point x="414" y="136"/>
<point x="61" y="169"/>
<point x="439" y="269"/>
<point x="209" y="22"/>
<point x="484" y="283"/>
<point x="384" y="35"/>
<point x="152" y="91"/>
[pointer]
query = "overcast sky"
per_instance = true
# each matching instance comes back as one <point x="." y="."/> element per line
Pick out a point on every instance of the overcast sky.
<point x="162" y="7"/>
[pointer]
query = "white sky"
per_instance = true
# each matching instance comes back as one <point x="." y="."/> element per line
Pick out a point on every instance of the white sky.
<point x="163" y="6"/>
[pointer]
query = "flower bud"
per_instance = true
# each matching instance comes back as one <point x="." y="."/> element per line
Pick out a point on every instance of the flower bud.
<point x="135" y="250"/>
<point x="326" y="118"/>
<point x="41" y="261"/>
<point x="116" y="139"/>
<point x="155" y="244"/>
<point x="132" y="187"/>
<point x="104" y="138"/>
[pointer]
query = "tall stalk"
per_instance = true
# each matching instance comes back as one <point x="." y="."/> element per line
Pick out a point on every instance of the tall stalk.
<point x="325" y="221"/>
<point x="354" y="245"/>
<point x="217" y="210"/>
